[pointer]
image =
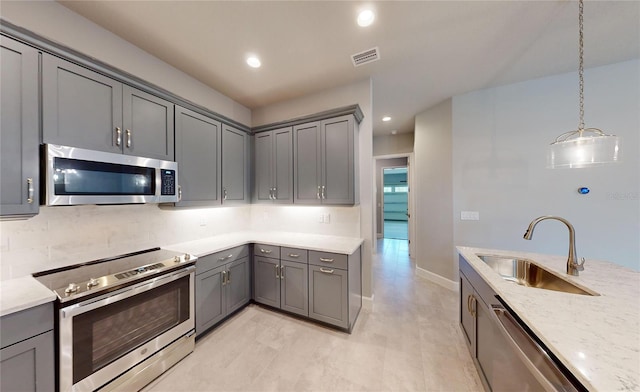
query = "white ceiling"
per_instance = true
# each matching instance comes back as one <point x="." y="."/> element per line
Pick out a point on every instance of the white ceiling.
<point x="430" y="50"/>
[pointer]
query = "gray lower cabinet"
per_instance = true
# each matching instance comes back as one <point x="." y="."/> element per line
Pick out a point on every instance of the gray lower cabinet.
<point x="335" y="288"/>
<point x="223" y="285"/>
<point x="475" y="321"/>
<point x="27" y="361"/>
<point x="325" y="162"/>
<point x="83" y="108"/>
<point x="19" y="129"/>
<point x="235" y="166"/>
<point x="273" y="167"/>
<point x="198" y="153"/>
<point x="281" y="283"/>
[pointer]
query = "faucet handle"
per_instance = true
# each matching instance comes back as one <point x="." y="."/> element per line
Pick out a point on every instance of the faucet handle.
<point x="580" y="266"/>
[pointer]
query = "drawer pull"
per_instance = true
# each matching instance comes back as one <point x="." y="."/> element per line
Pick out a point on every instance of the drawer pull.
<point x="326" y="260"/>
<point x="265" y="251"/>
<point x="30" y="190"/>
<point x="224" y="278"/>
<point x="326" y="271"/>
<point x="294" y="255"/>
<point x="282" y="272"/>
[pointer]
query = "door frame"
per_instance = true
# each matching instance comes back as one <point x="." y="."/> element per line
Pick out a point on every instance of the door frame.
<point x="411" y="202"/>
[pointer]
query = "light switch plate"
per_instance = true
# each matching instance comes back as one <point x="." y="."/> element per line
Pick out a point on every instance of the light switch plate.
<point x="327" y="218"/>
<point x="469" y="215"/>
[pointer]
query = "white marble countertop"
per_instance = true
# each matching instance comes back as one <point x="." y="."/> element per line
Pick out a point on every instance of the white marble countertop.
<point x="596" y="337"/>
<point x="22" y="293"/>
<point x="323" y="243"/>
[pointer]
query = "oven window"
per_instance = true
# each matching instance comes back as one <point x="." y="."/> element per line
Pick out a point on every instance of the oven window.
<point x="78" y="177"/>
<point x="105" y="334"/>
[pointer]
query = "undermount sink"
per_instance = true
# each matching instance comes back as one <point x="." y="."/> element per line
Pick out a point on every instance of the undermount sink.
<point x="527" y="273"/>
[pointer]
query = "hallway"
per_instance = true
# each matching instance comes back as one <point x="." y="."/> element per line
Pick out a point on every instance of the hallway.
<point x="409" y="341"/>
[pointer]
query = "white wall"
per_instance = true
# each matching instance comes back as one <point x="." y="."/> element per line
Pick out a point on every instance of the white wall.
<point x="57" y="23"/>
<point x="434" y="191"/>
<point x="500" y="137"/>
<point x="401" y="143"/>
<point x="355" y="93"/>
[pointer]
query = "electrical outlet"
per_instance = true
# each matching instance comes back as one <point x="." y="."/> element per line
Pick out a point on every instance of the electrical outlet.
<point x="321" y="218"/>
<point x="469" y="215"/>
<point x="327" y="218"/>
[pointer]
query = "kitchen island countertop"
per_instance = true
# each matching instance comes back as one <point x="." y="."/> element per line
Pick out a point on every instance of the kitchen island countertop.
<point x="596" y="337"/>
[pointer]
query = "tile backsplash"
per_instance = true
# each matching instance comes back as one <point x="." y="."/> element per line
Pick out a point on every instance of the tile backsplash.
<point x="60" y="236"/>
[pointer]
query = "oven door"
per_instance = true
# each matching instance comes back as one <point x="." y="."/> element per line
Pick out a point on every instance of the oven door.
<point x="104" y="337"/>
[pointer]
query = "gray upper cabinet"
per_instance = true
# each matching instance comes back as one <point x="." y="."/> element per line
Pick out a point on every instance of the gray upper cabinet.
<point x="19" y="129"/>
<point x="235" y="166"/>
<point x="325" y="162"/>
<point x="198" y="153"/>
<point x="273" y="166"/>
<point x="82" y="108"/>
<point x="148" y="125"/>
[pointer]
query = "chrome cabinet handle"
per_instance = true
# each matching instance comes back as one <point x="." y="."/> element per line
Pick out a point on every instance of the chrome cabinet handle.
<point x="473" y="306"/>
<point x="128" y="138"/>
<point x="294" y="255"/>
<point x="282" y="272"/>
<point x="224" y="278"/>
<point x="265" y="251"/>
<point x="228" y="276"/>
<point x="30" y="190"/>
<point x="324" y="192"/>
<point x="118" y="136"/>
<point x="275" y="193"/>
<point x="179" y="193"/>
<point x="277" y="271"/>
<point x="318" y="192"/>
<point x="225" y="257"/>
<point x="326" y="271"/>
<point x="224" y="193"/>
<point x="326" y="260"/>
<point x="469" y="303"/>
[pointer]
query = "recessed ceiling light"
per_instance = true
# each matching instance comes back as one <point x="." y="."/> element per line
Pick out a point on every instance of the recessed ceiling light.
<point x="365" y="18"/>
<point x="253" y="62"/>
<point x="386" y="118"/>
<point x="394" y="132"/>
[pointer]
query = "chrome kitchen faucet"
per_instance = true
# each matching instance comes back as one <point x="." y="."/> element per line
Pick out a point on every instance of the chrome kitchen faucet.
<point x="573" y="267"/>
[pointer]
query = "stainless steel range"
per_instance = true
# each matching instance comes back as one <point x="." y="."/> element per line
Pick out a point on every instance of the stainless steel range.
<point x="122" y="321"/>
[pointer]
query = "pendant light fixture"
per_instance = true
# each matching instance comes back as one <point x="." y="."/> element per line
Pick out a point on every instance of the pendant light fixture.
<point x="583" y="147"/>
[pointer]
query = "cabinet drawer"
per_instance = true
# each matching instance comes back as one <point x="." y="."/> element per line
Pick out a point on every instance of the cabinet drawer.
<point x="333" y="260"/>
<point x="294" y="254"/>
<point x="205" y="263"/>
<point x="267" y="251"/>
<point x="27" y="323"/>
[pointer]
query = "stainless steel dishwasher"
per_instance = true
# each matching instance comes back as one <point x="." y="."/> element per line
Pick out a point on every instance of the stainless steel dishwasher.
<point x="520" y="361"/>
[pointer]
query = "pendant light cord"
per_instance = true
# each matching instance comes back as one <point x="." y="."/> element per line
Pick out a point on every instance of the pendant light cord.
<point x="581" y="64"/>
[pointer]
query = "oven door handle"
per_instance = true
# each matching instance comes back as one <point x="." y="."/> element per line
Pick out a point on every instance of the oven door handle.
<point x="125" y="292"/>
<point x="544" y="369"/>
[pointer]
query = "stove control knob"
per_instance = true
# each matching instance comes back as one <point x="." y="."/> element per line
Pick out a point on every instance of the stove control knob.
<point x="176" y="259"/>
<point x="72" y="288"/>
<point x="92" y="282"/>
<point x="187" y="257"/>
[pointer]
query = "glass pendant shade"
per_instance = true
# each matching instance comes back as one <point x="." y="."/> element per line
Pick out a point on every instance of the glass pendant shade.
<point x="575" y="149"/>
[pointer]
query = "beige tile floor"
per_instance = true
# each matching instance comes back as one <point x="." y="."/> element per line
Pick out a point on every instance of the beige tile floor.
<point x="409" y="341"/>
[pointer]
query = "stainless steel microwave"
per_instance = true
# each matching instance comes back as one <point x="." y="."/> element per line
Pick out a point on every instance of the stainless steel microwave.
<point x="78" y="176"/>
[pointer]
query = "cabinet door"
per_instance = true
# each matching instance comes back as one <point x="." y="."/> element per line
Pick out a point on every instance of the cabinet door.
<point x="338" y="160"/>
<point x="328" y="295"/>
<point x="210" y="306"/>
<point x="28" y="365"/>
<point x="238" y="287"/>
<point x="266" y="286"/>
<point x="263" y="166"/>
<point x="234" y="166"/>
<point x="80" y="108"/>
<point x="306" y="163"/>
<point x="488" y="340"/>
<point x="282" y="177"/>
<point x="148" y="125"/>
<point x="294" y="293"/>
<point x="198" y="140"/>
<point x="467" y="321"/>
<point x="19" y="132"/>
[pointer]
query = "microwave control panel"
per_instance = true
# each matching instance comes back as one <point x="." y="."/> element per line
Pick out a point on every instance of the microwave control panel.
<point x="168" y="181"/>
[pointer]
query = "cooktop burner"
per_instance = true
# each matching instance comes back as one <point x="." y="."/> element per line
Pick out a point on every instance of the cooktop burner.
<point x="93" y="277"/>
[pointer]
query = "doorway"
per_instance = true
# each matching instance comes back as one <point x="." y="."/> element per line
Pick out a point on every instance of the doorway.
<point x="395" y="203"/>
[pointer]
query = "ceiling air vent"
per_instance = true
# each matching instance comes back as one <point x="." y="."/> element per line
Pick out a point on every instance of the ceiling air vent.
<point x="365" y="57"/>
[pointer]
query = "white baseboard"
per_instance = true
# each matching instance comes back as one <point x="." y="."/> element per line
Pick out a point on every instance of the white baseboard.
<point x="367" y="302"/>
<point x="437" y="279"/>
